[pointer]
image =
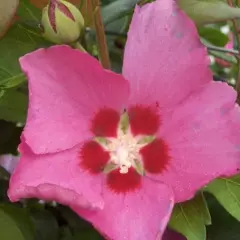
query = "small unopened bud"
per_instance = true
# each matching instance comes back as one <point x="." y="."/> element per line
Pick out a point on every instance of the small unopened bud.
<point x="206" y="11"/>
<point x="62" y="22"/>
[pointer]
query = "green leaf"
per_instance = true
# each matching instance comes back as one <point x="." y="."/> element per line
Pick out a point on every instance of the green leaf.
<point x="73" y="220"/>
<point x="1" y="92"/>
<point x="81" y="229"/>
<point x="189" y="218"/>
<point x="224" y="226"/>
<point x="46" y="225"/>
<point x="13" y="106"/>
<point x="66" y="233"/>
<point x="117" y="9"/>
<point x="15" y="223"/>
<point x="3" y="187"/>
<point x="209" y="11"/>
<point x="16" y="43"/>
<point x="19" y="40"/>
<point x="28" y="11"/>
<point x="106" y="2"/>
<point x="201" y="205"/>
<point x="10" y="137"/>
<point x="227" y="192"/>
<point x="4" y="174"/>
<point x="12" y="81"/>
<point x="213" y="36"/>
<point x="87" y="234"/>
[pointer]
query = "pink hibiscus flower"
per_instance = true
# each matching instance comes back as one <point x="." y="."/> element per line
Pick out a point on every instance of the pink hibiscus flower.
<point x="119" y="150"/>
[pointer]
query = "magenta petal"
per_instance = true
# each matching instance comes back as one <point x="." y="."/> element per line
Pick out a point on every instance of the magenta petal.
<point x="164" y="58"/>
<point x="204" y="140"/>
<point x="140" y="215"/>
<point x="66" y="88"/>
<point x="55" y="177"/>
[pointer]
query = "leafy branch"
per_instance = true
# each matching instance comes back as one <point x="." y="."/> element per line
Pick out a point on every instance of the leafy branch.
<point x="237" y="32"/>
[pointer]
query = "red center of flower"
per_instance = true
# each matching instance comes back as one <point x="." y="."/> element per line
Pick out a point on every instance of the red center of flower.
<point x="125" y="147"/>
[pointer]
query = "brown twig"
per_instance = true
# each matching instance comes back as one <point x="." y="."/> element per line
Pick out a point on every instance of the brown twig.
<point x="237" y="32"/>
<point x="87" y="12"/>
<point x="100" y="35"/>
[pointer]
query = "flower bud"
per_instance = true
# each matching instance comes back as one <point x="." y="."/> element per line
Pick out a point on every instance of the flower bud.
<point x="62" y="22"/>
<point x="208" y="11"/>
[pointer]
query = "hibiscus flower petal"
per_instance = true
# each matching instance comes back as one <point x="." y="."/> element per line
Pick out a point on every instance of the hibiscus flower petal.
<point x="164" y="59"/>
<point x="139" y="215"/>
<point x="202" y="138"/>
<point x="55" y="177"/>
<point x="66" y="88"/>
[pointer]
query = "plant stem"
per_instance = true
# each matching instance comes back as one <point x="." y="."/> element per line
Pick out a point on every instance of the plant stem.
<point x="225" y="50"/>
<point x="100" y="35"/>
<point x="87" y="12"/>
<point x="230" y="59"/>
<point x="235" y="25"/>
<point x="78" y="46"/>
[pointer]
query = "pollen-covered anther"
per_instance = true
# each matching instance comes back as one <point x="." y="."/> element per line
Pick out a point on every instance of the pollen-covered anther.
<point x="123" y="151"/>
